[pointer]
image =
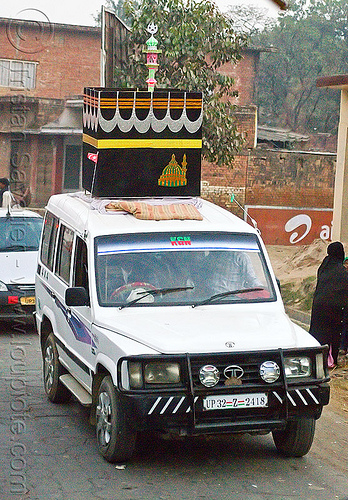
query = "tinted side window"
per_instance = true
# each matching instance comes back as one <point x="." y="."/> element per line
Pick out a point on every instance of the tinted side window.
<point x="49" y="236"/>
<point x="81" y="269"/>
<point x="64" y="253"/>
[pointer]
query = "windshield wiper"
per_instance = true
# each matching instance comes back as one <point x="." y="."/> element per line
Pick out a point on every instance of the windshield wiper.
<point x="156" y="291"/>
<point x="31" y="248"/>
<point x="226" y="294"/>
<point x="13" y="248"/>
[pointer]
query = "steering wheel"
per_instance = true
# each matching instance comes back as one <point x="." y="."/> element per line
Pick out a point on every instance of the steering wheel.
<point x="131" y="286"/>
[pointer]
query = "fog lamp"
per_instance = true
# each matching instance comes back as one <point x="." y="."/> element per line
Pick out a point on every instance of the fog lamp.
<point x="209" y="375"/>
<point x="269" y="371"/>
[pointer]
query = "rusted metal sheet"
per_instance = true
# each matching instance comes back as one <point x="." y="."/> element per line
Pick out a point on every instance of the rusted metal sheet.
<point x="114" y="46"/>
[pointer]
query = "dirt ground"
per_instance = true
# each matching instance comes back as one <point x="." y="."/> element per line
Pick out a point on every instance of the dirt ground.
<point x="294" y="263"/>
<point x="296" y="268"/>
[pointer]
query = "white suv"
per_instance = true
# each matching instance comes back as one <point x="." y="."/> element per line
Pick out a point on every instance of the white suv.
<point x="20" y="232"/>
<point x="172" y="325"/>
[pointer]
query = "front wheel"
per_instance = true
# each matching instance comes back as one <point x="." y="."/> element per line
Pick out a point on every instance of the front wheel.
<point x="116" y="440"/>
<point x="52" y="370"/>
<point x="296" y="439"/>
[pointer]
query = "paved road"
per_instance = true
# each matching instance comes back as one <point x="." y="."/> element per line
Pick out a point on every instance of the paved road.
<point x="48" y="452"/>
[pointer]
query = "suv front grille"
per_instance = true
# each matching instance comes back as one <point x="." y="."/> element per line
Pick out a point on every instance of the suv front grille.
<point x="249" y="362"/>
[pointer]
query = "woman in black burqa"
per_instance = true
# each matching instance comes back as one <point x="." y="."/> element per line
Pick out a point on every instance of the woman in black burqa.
<point x="330" y="296"/>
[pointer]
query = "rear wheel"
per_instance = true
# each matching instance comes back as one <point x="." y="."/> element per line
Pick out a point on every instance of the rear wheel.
<point x="296" y="439"/>
<point x="116" y="441"/>
<point x="52" y="370"/>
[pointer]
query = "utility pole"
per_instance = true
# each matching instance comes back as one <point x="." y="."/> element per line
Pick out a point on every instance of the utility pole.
<point x="340" y="215"/>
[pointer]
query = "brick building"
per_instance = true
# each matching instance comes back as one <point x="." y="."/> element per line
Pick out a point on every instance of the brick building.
<point x="42" y="75"/>
<point x="48" y="60"/>
<point x="43" y="70"/>
<point x="41" y="67"/>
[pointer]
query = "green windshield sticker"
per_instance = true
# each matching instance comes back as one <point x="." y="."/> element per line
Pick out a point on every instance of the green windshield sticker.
<point x="180" y="240"/>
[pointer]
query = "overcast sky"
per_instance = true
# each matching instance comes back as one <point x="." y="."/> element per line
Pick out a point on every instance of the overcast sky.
<point x="81" y="12"/>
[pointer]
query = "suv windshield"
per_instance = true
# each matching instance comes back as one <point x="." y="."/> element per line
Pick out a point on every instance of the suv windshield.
<point x="189" y="269"/>
<point x="20" y="234"/>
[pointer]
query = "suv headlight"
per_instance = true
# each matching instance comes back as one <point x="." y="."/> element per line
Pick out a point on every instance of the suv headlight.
<point x="297" y="366"/>
<point x="162" y="373"/>
<point x="153" y="372"/>
<point x="3" y="287"/>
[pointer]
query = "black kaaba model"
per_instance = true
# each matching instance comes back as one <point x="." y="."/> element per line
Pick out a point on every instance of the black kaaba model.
<point x="139" y="143"/>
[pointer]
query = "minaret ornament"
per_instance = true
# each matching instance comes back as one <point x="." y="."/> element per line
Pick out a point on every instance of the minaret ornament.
<point x="151" y="56"/>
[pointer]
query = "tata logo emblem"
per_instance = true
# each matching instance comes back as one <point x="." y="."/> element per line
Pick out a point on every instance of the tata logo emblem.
<point x="233" y="371"/>
<point x="230" y="345"/>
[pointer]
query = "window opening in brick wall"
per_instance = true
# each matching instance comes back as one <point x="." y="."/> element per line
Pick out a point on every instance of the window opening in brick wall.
<point x="72" y="167"/>
<point x="17" y="74"/>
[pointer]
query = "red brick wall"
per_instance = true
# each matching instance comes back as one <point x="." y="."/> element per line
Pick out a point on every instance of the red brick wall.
<point x="294" y="179"/>
<point x="68" y="58"/>
<point x="244" y="74"/>
<point x="247" y="118"/>
<point x="220" y="183"/>
<point x="236" y="176"/>
<point x="225" y="176"/>
<point x="275" y="178"/>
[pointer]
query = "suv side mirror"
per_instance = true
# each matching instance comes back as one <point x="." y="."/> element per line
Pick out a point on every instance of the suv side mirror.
<point x="77" y="296"/>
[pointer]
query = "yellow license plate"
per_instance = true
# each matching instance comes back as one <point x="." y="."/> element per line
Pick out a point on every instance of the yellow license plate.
<point x="28" y="301"/>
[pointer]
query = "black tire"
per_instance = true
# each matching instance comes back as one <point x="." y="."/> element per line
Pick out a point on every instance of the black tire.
<point x="116" y="441"/>
<point x="296" y="439"/>
<point x="52" y="370"/>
